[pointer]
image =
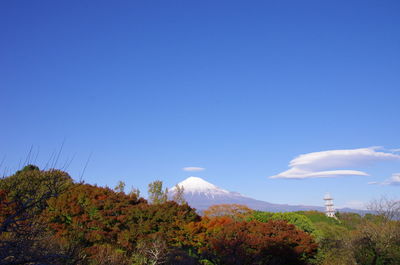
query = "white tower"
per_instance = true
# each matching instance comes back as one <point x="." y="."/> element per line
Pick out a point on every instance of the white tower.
<point x="330" y="209"/>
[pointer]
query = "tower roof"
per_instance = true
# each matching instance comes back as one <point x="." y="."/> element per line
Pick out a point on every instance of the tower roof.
<point x="328" y="197"/>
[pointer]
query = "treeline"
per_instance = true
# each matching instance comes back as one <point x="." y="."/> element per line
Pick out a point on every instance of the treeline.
<point x="47" y="218"/>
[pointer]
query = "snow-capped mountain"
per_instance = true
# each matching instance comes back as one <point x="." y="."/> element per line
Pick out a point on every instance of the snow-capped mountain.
<point x="201" y="194"/>
<point x="197" y="186"/>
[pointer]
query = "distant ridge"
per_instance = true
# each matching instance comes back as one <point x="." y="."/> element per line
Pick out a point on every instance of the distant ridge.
<point x="201" y="194"/>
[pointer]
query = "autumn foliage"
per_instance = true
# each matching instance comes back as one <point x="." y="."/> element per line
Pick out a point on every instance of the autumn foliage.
<point x="227" y="241"/>
<point x="76" y="223"/>
<point x="7" y="208"/>
<point x="96" y="216"/>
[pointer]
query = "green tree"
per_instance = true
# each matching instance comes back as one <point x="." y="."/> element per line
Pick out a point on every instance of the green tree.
<point x="120" y="187"/>
<point x="179" y="194"/>
<point x="156" y="193"/>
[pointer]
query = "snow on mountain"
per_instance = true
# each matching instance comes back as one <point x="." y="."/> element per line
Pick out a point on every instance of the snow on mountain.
<point x="201" y="194"/>
<point x="197" y="186"/>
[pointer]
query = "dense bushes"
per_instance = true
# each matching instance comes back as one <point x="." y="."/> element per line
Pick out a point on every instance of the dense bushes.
<point x="100" y="218"/>
<point x="224" y="240"/>
<point x="300" y="221"/>
<point x="23" y="231"/>
<point x="46" y="218"/>
<point x="367" y="240"/>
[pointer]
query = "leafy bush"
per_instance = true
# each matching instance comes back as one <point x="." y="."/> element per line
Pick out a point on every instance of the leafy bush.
<point x="224" y="240"/>
<point x="300" y="221"/>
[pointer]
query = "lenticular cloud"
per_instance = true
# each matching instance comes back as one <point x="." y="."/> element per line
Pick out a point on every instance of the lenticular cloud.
<point x="334" y="163"/>
<point x="193" y="169"/>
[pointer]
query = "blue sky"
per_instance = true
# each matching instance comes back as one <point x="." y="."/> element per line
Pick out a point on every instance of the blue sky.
<point x="239" y="88"/>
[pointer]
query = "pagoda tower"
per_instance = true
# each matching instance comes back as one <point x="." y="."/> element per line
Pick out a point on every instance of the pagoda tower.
<point x="329" y="207"/>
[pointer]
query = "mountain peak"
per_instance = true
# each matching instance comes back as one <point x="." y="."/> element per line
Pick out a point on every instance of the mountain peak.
<point x="198" y="185"/>
<point x="201" y="194"/>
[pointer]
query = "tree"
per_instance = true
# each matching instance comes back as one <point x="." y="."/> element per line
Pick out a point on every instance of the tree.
<point x="156" y="193"/>
<point x="166" y="219"/>
<point x="386" y="208"/>
<point x="134" y="192"/>
<point x="377" y="240"/>
<point x="179" y="194"/>
<point x="376" y="243"/>
<point x="152" y="251"/>
<point x="107" y="254"/>
<point x="120" y="187"/>
<point x="23" y="197"/>
<point x="29" y="190"/>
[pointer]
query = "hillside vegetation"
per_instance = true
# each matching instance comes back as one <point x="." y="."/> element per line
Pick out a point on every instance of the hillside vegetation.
<point x="47" y="218"/>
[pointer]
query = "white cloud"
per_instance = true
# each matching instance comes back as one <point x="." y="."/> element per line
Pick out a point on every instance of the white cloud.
<point x="330" y="163"/>
<point x="193" y="169"/>
<point x="341" y="158"/>
<point x="393" y="181"/>
<point x="296" y="173"/>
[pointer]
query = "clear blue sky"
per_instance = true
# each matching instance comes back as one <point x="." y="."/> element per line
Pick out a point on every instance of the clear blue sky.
<point x="237" y="87"/>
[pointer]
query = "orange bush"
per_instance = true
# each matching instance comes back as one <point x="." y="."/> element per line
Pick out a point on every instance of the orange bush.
<point x="226" y="241"/>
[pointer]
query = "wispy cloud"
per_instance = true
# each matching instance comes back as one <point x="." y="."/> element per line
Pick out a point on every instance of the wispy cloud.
<point x="331" y="163"/>
<point x="193" y="169"/>
<point x="393" y="181"/>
